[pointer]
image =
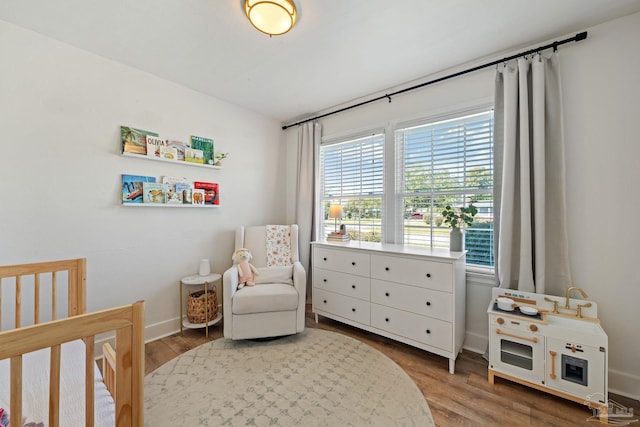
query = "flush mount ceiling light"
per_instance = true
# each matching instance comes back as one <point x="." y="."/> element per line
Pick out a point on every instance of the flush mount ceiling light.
<point x="273" y="17"/>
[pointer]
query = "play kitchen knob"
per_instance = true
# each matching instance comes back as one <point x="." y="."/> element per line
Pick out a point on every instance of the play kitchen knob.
<point x="533" y="327"/>
<point x="500" y="320"/>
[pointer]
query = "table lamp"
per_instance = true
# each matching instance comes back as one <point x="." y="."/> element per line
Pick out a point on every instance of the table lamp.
<point x="335" y="212"/>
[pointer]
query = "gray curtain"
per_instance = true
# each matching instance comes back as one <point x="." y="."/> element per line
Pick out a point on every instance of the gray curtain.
<point x="309" y="135"/>
<point x="529" y="193"/>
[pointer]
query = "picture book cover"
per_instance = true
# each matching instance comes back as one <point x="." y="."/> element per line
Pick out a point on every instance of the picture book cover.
<point x="153" y="145"/>
<point x="180" y="148"/>
<point x="169" y="153"/>
<point x="211" y="192"/>
<point x="154" y="192"/>
<point x="174" y="198"/>
<point x="184" y="190"/>
<point x="197" y="196"/>
<point x="206" y="145"/>
<point x="171" y="181"/>
<point x="193" y="155"/>
<point x="132" y="187"/>
<point x="134" y="140"/>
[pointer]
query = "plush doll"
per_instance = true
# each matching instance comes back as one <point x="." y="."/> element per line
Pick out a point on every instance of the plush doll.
<point x="246" y="270"/>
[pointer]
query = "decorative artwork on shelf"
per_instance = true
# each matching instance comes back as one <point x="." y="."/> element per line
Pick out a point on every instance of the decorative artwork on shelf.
<point x="184" y="191"/>
<point x="193" y="155"/>
<point x="206" y="145"/>
<point x="134" y="140"/>
<point x="132" y="187"/>
<point x="211" y="192"/>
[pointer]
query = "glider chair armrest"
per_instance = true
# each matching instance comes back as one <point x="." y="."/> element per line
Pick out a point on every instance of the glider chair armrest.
<point x="230" y="287"/>
<point x="300" y="283"/>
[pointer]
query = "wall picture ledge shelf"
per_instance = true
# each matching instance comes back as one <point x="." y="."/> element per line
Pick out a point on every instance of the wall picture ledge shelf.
<point x="176" y="162"/>
<point x="168" y="205"/>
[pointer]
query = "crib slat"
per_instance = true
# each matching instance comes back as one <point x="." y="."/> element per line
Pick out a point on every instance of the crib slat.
<point x="54" y="387"/>
<point x="0" y="304"/>
<point x="18" y="300"/>
<point x="54" y="281"/>
<point x="89" y="387"/>
<point x="16" y="391"/>
<point x="36" y="300"/>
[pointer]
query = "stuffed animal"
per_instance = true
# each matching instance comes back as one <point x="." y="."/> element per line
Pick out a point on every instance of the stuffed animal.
<point x="246" y="270"/>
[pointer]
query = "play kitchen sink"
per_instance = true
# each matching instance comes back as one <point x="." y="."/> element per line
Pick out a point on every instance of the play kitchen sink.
<point x="554" y="344"/>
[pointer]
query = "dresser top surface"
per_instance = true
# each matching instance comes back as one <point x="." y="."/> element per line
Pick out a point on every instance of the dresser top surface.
<point x="393" y="248"/>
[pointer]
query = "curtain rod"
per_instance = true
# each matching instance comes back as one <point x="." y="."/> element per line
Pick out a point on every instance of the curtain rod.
<point x="554" y="45"/>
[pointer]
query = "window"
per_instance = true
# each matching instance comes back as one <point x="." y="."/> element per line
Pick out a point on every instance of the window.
<point x="437" y="163"/>
<point x="443" y="163"/>
<point x="351" y="175"/>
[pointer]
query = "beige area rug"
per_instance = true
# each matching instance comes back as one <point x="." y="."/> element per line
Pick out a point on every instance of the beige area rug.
<point x="317" y="378"/>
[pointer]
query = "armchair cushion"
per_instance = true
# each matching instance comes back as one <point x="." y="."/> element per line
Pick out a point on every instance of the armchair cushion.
<point x="282" y="274"/>
<point x="265" y="298"/>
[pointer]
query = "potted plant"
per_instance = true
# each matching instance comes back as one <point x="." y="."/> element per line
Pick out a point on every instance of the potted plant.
<point x="456" y="219"/>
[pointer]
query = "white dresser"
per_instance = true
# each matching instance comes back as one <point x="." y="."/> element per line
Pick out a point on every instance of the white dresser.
<point x="410" y="294"/>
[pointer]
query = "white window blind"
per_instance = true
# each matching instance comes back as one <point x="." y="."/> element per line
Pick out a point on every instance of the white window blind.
<point x="446" y="162"/>
<point x="352" y="175"/>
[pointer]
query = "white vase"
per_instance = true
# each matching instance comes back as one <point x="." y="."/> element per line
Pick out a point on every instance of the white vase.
<point x="205" y="268"/>
<point x="455" y="240"/>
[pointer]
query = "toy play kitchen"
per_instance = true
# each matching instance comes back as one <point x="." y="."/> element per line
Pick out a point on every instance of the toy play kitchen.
<point x="554" y="344"/>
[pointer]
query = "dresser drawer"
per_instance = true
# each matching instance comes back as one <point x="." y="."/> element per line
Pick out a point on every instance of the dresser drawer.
<point x="349" y="262"/>
<point x="427" y="274"/>
<point x="350" y="308"/>
<point x="342" y="283"/>
<point x="425" y="302"/>
<point x="426" y="330"/>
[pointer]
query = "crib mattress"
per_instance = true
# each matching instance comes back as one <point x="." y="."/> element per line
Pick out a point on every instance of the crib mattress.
<point x="35" y="388"/>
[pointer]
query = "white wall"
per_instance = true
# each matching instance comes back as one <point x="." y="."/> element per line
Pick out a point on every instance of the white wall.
<point x="60" y="115"/>
<point x="601" y="92"/>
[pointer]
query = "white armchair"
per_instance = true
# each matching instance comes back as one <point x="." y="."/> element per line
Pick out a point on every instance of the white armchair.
<point x="275" y="305"/>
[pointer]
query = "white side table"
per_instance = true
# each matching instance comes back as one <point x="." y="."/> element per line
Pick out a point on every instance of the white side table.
<point x="204" y="281"/>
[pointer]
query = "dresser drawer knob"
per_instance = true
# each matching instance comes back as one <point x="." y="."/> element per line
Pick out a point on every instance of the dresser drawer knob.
<point x="353" y="309"/>
<point x="353" y="263"/>
<point x="386" y="294"/>
<point x="324" y="280"/>
<point x="386" y="269"/>
<point x="428" y="302"/>
<point x="324" y="259"/>
<point x="325" y="301"/>
<point x="428" y="331"/>
<point x="428" y="274"/>
<point x="353" y="286"/>
<point x="386" y="319"/>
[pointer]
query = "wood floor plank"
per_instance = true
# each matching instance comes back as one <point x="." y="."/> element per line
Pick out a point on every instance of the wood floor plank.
<point x="463" y="399"/>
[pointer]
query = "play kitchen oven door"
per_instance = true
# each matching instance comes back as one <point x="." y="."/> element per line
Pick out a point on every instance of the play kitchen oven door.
<point x="516" y="350"/>
<point x="576" y="369"/>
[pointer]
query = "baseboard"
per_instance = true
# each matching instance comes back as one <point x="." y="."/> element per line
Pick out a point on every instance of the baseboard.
<point x="475" y="342"/>
<point x="151" y="333"/>
<point x="624" y="384"/>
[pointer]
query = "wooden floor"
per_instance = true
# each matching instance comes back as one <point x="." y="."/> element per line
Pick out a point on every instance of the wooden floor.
<point x="463" y="399"/>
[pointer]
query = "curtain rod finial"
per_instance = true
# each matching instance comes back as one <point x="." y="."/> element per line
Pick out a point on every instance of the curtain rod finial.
<point x="581" y="36"/>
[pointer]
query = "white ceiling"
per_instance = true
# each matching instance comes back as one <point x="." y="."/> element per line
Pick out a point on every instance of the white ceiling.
<point x="339" y="50"/>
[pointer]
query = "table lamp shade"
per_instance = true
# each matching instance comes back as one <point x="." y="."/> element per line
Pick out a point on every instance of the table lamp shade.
<point x="335" y="212"/>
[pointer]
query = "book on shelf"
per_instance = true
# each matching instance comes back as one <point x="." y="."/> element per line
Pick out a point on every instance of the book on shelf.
<point x="132" y="187"/>
<point x="211" y="192"/>
<point x="134" y="140"/>
<point x="153" y="145"/>
<point x="184" y="191"/>
<point x="180" y="147"/>
<point x="206" y="145"/>
<point x="154" y="192"/>
<point x="173" y="198"/>
<point x="171" y="181"/>
<point x="169" y="153"/>
<point x="193" y="155"/>
<point x="197" y="196"/>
